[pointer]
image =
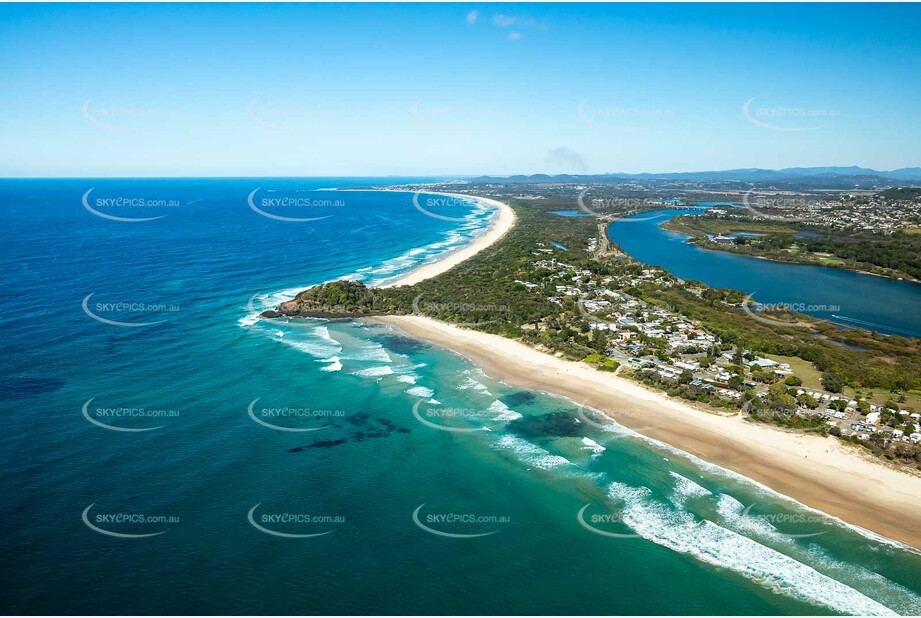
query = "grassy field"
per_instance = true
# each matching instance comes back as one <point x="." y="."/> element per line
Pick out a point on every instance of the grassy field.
<point x="827" y="259"/>
<point x="812" y="380"/>
<point x="811" y="377"/>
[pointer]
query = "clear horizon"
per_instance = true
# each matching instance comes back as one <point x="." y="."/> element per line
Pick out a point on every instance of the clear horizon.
<point x="121" y="91"/>
<point x="408" y="176"/>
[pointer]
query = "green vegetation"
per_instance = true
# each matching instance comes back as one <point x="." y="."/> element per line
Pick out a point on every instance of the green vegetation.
<point x="854" y="356"/>
<point x="701" y="225"/>
<point x="482" y="292"/>
<point x="515" y="288"/>
<point x="601" y="362"/>
<point x="894" y="255"/>
<point x="335" y="299"/>
<point x="905" y="454"/>
<point x="902" y="193"/>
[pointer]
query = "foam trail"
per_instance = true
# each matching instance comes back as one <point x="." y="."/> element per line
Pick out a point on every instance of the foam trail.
<point x="685" y="488"/>
<point x="721" y="547"/>
<point x="594" y="447"/>
<point x="899" y="598"/>
<point x="531" y="454"/>
<point x="316" y="343"/>
<point x="374" y="372"/>
<point x="336" y="364"/>
<point x="374" y="352"/>
<point x="872" y="325"/>
<point x="501" y="412"/>
<point x="764" y="489"/>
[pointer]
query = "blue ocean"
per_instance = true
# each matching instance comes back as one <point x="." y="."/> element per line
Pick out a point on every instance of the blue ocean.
<point x="166" y="452"/>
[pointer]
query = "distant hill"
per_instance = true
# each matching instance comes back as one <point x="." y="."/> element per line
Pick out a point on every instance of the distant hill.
<point x="902" y="193"/>
<point x="836" y="177"/>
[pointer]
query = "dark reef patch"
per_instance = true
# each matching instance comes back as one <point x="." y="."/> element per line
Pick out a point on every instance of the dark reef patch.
<point x="367" y="432"/>
<point x="401" y="344"/>
<point x="518" y="399"/>
<point x="359" y="419"/>
<point x="319" y="444"/>
<point x="554" y="425"/>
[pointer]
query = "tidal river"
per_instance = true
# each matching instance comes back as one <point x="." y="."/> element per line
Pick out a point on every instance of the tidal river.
<point x="848" y="298"/>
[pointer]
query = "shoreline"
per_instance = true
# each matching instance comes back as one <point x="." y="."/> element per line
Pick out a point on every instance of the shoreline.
<point x="498" y="228"/>
<point x="821" y="473"/>
<point x="691" y="238"/>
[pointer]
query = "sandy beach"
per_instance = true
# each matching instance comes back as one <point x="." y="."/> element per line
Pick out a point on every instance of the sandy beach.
<point x="821" y="473"/>
<point x="501" y="224"/>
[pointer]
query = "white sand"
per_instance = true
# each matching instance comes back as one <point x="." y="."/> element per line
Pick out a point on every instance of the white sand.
<point x="822" y="473"/>
<point x="501" y="224"/>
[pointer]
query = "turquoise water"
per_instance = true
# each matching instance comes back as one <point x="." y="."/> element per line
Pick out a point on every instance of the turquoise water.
<point x="848" y="298"/>
<point x="407" y="443"/>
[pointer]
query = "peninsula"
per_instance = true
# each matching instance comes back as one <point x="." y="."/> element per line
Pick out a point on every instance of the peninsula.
<point x="548" y="304"/>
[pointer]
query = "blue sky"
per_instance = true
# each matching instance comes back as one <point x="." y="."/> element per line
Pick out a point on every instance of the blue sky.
<point x="380" y="89"/>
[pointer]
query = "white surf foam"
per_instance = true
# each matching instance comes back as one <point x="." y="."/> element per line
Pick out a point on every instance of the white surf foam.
<point x="248" y="320"/>
<point x="420" y="391"/>
<point x="374" y="372"/>
<point x="685" y="488"/>
<point x="315" y="342"/>
<point x="474" y="225"/>
<point x="531" y="454"/>
<point x="594" y="447"/>
<point x="501" y="412"/>
<point x="335" y="364"/>
<point x="373" y="352"/>
<point x="897" y="597"/>
<point x="474" y="385"/>
<point x="681" y="532"/>
<point x="764" y="489"/>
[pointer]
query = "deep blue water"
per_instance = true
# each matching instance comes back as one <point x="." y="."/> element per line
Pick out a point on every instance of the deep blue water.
<point x="218" y="473"/>
<point x="849" y="298"/>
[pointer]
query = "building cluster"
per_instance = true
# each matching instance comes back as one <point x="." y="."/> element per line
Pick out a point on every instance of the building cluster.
<point x="651" y="338"/>
<point x="853" y="212"/>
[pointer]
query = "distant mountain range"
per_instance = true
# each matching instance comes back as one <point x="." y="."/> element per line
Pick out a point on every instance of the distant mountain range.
<point x="815" y="176"/>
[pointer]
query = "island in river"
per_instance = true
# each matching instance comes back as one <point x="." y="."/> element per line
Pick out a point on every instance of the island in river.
<point x="896" y="255"/>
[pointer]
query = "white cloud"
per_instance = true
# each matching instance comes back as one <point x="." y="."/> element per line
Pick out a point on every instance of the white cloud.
<point x="514" y="36"/>
<point x="568" y="159"/>
<point x="504" y="21"/>
<point x="472" y="17"/>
